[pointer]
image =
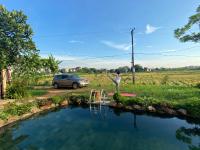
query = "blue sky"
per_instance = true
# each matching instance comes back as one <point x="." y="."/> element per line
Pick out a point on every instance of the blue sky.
<point x="83" y="32"/>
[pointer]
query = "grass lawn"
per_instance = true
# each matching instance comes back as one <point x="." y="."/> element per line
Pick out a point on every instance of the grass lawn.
<point x="168" y="86"/>
<point x="37" y="92"/>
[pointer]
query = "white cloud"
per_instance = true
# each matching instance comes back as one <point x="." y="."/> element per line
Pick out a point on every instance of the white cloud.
<point x="123" y="46"/>
<point x="150" y="29"/>
<point x="75" y="41"/>
<point x="169" y="50"/>
<point x="97" y="63"/>
<point x="115" y="63"/>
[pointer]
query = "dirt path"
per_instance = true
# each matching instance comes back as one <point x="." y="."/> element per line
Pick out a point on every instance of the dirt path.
<point x="53" y="92"/>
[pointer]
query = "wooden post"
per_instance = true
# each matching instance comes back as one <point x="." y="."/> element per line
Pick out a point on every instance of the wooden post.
<point x="4" y="82"/>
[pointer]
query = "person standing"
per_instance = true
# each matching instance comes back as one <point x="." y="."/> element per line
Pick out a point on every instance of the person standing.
<point x="116" y="80"/>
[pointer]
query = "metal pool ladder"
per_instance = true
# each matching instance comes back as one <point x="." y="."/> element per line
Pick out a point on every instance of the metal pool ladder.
<point x="96" y="104"/>
<point x="103" y="99"/>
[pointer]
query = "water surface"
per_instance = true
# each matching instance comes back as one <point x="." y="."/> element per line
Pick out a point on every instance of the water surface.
<point x="81" y="129"/>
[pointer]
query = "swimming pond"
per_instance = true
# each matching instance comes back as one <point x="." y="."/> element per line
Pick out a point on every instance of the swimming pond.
<point x="77" y="128"/>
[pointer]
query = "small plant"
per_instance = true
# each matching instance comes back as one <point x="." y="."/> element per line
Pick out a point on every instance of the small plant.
<point x="3" y="116"/>
<point x="164" y="80"/>
<point x="78" y="99"/>
<point x="17" y="110"/>
<point x="56" y="99"/>
<point x="117" y="97"/>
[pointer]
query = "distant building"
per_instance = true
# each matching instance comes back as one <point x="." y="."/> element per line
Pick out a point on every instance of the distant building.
<point x="147" y="69"/>
<point x="65" y="70"/>
<point x="72" y="70"/>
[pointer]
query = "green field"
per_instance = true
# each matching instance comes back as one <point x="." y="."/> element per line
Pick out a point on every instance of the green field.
<point x="168" y="85"/>
<point x="179" y="86"/>
<point x="178" y="89"/>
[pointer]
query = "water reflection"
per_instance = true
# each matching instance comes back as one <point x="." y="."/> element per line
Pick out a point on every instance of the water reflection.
<point x="8" y="142"/>
<point x="187" y="135"/>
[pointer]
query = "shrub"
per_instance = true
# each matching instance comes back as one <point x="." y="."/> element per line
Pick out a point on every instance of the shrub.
<point x="3" y="116"/>
<point x="17" y="90"/>
<point x="132" y="101"/>
<point x="192" y="106"/>
<point x="17" y="110"/>
<point x="78" y="99"/>
<point x="143" y="101"/>
<point x="57" y="99"/>
<point x="117" y="97"/>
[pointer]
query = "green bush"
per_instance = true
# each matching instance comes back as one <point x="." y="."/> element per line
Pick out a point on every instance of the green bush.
<point x="143" y="101"/>
<point x="57" y="99"/>
<point x="192" y="106"/>
<point x="43" y="102"/>
<point x="17" y="90"/>
<point x="17" y="110"/>
<point x="117" y="97"/>
<point x="3" y="116"/>
<point x="78" y="99"/>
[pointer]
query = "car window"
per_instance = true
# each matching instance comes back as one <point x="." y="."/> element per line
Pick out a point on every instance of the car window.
<point x="71" y="76"/>
<point x="57" y="77"/>
<point x="65" y="76"/>
<point x="75" y="76"/>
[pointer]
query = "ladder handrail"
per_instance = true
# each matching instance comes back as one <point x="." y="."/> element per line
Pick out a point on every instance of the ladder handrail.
<point x="93" y="96"/>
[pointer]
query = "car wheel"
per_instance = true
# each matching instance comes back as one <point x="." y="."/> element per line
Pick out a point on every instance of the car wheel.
<point x="56" y="86"/>
<point x="75" y="85"/>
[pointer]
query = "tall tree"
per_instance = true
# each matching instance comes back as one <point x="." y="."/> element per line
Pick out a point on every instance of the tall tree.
<point x="50" y="64"/>
<point x="181" y="33"/>
<point x="15" y="38"/>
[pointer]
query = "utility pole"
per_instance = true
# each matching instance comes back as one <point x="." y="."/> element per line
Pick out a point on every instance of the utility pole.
<point x="133" y="61"/>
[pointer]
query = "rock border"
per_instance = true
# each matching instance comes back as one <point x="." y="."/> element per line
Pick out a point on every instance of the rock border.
<point x="159" y="109"/>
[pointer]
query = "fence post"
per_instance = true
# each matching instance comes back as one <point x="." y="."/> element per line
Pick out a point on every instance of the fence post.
<point x="4" y="82"/>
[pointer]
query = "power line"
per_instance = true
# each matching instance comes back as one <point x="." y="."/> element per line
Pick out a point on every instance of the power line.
<point x="139" y="53"/>
<point x="91" y="58"/>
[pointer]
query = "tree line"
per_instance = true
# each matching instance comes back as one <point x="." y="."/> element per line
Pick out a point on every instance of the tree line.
<point x="127" y="69"/>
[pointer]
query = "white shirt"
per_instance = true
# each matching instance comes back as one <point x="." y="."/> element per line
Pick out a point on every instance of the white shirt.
<point x="118" y="79"/>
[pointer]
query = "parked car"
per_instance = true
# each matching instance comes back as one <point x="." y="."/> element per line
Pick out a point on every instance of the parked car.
<point x="69" y="80"/>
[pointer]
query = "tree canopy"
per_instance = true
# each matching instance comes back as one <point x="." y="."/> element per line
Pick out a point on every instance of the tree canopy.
<point x="50" y="64"/>
<point x="15" y="37"/>
<point x="181" y="33"/>
<point x="17" y="48"/>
